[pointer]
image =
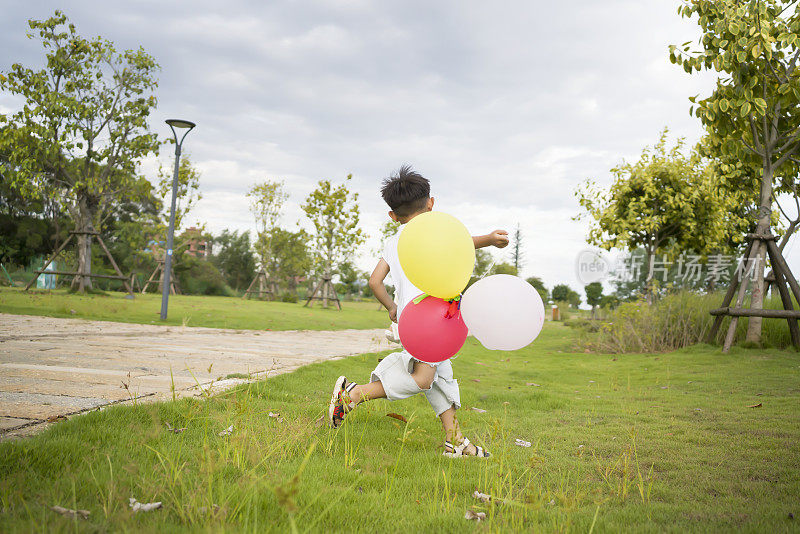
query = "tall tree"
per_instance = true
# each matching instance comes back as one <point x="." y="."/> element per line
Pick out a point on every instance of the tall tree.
<point x="564" y="293"/>
<point x="266" y="202"/>
<point x="754" y="111"/>
<point x="290" y="258"/>
<point x="666" y="202"/>
<point x="334" y="214"/>
<point x="83" y="127"/>
<point x="516" y="251"/>
<point x="187" y="194"/>
<point x="233" y="257"/>
<point x="594" y="295"/>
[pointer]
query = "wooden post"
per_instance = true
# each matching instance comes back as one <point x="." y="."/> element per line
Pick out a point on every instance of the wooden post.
<point x="726" y="301"/>
<point x="783" y="276"/>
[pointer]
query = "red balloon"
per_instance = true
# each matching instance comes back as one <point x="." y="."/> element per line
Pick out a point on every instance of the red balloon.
<point x="432" y="331"/>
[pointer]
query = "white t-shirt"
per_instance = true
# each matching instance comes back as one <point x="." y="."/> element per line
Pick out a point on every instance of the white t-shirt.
<point x="404" y="290"/>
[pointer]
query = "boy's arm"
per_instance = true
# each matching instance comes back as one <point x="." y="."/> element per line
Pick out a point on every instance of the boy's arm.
<point x="498" y="238"/>
<point x="379" y="290"/>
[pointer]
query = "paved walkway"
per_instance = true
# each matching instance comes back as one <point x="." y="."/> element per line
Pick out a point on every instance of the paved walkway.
<point x="51" y="367"/>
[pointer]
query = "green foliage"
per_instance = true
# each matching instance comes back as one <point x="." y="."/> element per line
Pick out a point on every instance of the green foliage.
<point x="564" y="293"/>
<point x="234" y="258"/>
<point x="666" y="202"/>
<point x="289" y="257"/>
<point x="200" y="277"/>
<point x="677" y="320"/>
<point x="187" y="193"/>
<point x="753" y="114"/>
<point x="609" y="301"/>
<point x="334" y="213"/>
<point x="538" y="284"/>
<point x="594" y="294"/>
<point x="504" y="268"/>
<point x="351" y="280"/>
<point x="83" y="127"/>
<point x="266" y="202"/>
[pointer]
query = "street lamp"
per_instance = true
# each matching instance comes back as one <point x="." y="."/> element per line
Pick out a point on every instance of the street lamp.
<point x="187" y="125"/>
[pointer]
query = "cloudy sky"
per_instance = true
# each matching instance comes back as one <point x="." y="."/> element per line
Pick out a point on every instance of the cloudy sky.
<point x="505" y="106"/>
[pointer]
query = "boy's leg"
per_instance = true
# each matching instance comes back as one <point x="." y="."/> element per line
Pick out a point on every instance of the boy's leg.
<point x="452" y="430"/>
<point x="423" y="375"/>
<point x="368" y="391"/>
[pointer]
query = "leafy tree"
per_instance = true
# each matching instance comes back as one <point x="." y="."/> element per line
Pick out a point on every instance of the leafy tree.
<point x="609" y="301"/>
<point x="266" y="202"/>
<point x="537" y="283"/>
<point x="233" y="257"/>
<point x="594" y="295"/>
<point x="666" y="202"/>
<point x="187" y="193"/>
<point x="351" y="280"/>
<point x="83" y="126"/>
<point x="334" y="214"/>
<point x="290" y="257"/>
<point x="754" y="111"/>
<point x="563" y="293"/>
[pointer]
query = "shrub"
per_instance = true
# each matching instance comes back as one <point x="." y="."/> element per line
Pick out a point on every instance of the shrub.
<point x="289" y="297"/>
<point x="200" y="277"/>
<point x="674" y="321"/>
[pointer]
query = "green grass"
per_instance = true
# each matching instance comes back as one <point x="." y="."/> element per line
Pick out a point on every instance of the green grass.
<point x="214" y="312"/>
<point x="648" y="443"/>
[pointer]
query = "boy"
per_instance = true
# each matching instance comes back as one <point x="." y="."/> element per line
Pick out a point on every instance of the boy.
<point x="400" y="375"/>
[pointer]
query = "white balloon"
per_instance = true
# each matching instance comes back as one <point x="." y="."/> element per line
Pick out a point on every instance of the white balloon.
<point x="503" y="312"/>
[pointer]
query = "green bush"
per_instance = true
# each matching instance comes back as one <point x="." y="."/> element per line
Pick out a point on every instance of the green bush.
<point x="289" y="296"/>
<point x="675" y="321"/>
<point x="200" y="277"/>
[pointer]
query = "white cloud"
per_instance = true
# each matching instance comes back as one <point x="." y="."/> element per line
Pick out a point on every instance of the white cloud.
<point x="505" y="107"/>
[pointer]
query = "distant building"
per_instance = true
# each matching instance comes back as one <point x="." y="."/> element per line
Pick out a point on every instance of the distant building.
<point x="197" y="245"/>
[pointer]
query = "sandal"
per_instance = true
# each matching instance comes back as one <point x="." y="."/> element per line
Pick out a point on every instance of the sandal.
<point x="458" y="450"/>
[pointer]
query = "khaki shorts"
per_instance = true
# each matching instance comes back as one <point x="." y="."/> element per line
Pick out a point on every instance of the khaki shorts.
<point x="394" y="373"/>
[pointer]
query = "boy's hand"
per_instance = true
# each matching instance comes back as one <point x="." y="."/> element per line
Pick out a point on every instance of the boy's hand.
<point x="499" y="238"/>
<point x="393" y="313"/>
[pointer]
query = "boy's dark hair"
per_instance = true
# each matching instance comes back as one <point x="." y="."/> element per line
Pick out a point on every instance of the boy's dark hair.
<point x="406" y="191"/>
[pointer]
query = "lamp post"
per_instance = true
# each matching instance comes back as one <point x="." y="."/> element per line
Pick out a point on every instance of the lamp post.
<point x="187" y="125"/>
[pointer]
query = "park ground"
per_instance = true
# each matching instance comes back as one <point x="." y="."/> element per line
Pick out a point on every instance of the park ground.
<point x="688" y="440"/>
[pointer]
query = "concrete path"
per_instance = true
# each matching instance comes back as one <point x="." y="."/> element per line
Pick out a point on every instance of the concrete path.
<point x="52" y="367"/>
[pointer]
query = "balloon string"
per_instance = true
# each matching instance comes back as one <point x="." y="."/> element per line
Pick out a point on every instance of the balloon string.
<point x="489" y="270"/>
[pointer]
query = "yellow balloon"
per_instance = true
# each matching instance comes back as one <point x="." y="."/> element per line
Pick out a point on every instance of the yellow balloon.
<point x="437" y="254"/>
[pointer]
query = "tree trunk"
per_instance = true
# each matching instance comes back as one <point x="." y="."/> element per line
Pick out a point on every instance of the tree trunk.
<point x="651" y="257"/>
<point x="84" y="224"/>
<point x="759" y="251"/>
<point x="326" y="281"/>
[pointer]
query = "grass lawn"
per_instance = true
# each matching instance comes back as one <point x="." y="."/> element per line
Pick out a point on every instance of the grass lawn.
<point x="652" y="443"/>
<point x="214" y="312"/>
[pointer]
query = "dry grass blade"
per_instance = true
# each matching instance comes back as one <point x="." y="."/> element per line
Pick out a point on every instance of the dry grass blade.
<point x="483" y="497"/>
<point x="474" y="516"/>
<point x="137" y="506"/>
<point x="397" y="416"/>
<point x="479" y="410"/>
<point x="68" y="512"/>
